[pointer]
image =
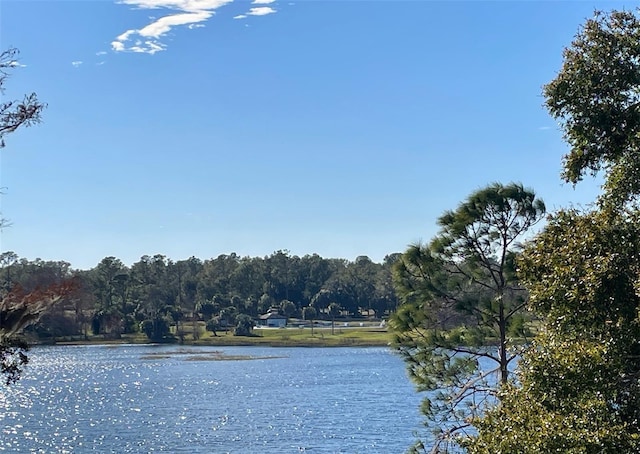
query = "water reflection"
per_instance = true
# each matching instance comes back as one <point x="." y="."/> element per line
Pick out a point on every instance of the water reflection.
<point x="105" y="399"/>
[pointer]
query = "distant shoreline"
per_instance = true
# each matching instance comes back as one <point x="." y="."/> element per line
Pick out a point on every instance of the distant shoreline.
<point x="322" y="337"/>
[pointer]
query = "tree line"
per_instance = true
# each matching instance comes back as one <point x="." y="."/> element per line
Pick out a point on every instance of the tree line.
<point x="156" y="295"/>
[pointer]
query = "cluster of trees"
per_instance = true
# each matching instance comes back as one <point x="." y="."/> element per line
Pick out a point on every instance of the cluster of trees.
<point x="155" y="294"/>
<point x="566" y="302"/>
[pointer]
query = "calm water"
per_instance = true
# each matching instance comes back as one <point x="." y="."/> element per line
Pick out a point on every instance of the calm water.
<point x="113" y="399"/>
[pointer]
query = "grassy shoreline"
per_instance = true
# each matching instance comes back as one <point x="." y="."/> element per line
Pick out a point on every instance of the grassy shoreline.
<point x="291" y="337"/>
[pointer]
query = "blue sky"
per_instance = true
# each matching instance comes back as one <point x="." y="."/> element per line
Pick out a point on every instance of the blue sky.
<point x="343" y="128"/>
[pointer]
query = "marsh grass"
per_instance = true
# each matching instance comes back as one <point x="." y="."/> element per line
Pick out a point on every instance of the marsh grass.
<point x="199" y="355"/>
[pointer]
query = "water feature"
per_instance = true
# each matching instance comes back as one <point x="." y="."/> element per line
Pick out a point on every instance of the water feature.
<point x="167" y="399"/>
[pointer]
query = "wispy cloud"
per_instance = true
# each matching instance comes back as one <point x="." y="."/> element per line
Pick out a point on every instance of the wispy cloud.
<point x="189" y="13"/>
<point x="16" y="64"/>
<point x="101" y="53"/>
<point x="148" y="39"/>
<point x="76" y="63"/>
<point x="544" y="128"/>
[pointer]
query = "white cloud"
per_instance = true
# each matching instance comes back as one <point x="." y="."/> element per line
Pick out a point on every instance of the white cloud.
<point x="178" y="5"/>
<point x="147" y="47"/>
<point x="165" y="24"/>
<point x="125" y="35"/>
<point x="16" y="64"/>
<point x="76" y="63"/>
<point x="101" y="53"/>
<point x="189" y="12"/>
<point x="117" y="46"/>
<point x="261" y="11"/>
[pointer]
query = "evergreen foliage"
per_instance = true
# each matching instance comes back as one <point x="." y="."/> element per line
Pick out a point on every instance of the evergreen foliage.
<point x="460" y="295"/>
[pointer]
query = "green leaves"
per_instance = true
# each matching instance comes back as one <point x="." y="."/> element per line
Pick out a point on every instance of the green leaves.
<point x="568" y="401"/>
<point x="582" y="269"/>
<point x="580" y="379"/>
<point x="488" y="221"/>
<point x="596" y="99"/>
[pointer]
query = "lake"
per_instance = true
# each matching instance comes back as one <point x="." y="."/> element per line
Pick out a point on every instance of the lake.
<point x="181" y="400"/>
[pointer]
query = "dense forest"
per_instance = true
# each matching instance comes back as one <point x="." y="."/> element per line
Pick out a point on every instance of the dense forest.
<point x="156" y="295"/>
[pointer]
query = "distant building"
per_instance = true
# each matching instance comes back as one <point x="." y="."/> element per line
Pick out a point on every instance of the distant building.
<point x="272" y="319"/>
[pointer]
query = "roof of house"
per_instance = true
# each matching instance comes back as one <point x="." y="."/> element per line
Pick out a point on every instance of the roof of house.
<point x="272" y="315"/>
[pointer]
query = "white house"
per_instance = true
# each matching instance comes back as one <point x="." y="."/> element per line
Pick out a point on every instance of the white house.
<point x="273" y="319"/>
